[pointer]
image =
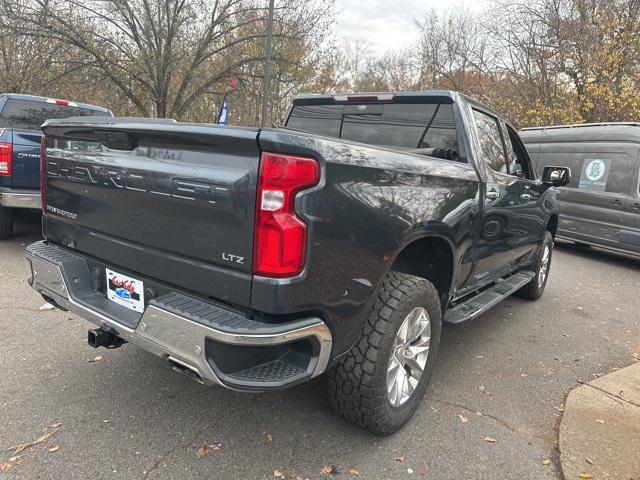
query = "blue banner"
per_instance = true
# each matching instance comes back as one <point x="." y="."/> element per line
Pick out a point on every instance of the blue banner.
<point x="224" y="111"/>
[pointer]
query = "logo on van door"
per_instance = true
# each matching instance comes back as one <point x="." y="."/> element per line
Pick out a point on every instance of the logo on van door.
<point x="595" y="170"/>
<point x="594" y="174"/>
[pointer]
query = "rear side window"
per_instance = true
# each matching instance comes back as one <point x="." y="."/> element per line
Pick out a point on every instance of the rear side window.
<point x="491" y="147"/>
<point x="29" y="115"/>
<point x="404" y="126"/>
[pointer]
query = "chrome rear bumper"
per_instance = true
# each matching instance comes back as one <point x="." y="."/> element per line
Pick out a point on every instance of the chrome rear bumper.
<point x="21" y="199"/>
<point x="168" y="333"/>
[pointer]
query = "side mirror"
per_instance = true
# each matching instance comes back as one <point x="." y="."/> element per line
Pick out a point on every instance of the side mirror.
<point x="556" y="176"/>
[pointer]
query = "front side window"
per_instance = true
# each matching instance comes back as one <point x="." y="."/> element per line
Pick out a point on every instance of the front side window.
<point x="518" y="162"/>
<point x="491" y="147"/>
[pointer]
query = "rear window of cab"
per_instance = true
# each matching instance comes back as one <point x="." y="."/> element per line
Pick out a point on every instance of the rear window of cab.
<point x="403" y="126"/>
<point x="31" y="114"/>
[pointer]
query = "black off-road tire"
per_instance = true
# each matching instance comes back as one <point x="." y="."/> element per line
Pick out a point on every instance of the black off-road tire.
<point x="6" y="222"/>
<point x="357" y="384"/>
<point x="534" y="290"/>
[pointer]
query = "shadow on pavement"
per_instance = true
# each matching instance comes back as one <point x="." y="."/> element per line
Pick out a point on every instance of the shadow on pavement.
<point x="599" y="254"/>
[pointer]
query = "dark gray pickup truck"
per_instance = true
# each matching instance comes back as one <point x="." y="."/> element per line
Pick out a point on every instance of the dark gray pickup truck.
<point x="259" y="259"/>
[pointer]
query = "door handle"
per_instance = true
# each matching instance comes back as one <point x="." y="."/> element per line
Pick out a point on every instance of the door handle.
<point x="525" y="197"/>
<point x="635" y="205"/>
<point x="615" y="201"/>
<point x="492" y="194"/>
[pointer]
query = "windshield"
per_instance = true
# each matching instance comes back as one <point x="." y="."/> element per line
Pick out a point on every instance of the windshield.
<point x="30" y="115"/>
<point x="405" y="126"/>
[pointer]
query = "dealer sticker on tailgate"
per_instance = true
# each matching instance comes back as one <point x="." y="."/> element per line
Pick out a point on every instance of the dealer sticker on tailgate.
<point x="125" y="291"/>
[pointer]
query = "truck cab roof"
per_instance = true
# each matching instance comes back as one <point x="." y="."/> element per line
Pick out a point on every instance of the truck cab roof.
<point x="36" y="98"/>
<point x="585" y="132"/>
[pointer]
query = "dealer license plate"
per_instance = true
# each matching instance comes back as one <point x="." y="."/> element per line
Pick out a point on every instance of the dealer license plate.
<point x="125" y="291"/>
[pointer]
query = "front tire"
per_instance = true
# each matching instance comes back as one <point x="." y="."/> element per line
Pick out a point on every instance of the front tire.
<point x="381" y="381"/>
<point x="6" y="222"/>
<point x="535" y="288"/>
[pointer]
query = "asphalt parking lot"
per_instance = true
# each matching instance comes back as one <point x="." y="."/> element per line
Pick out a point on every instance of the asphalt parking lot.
<point x="126" y="415"/>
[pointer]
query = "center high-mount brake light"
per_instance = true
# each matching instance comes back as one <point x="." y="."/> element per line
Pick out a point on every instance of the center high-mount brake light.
<point x="365" y="97"/>
<point x="6" y="158"/>
<point x="64" y="103"/>
<point x="281" y="236"/>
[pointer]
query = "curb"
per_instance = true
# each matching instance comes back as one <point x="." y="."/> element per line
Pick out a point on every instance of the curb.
<point x="600" y="428"/>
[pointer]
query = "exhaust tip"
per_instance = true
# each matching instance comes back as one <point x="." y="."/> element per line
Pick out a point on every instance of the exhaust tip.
<point x="185" y="369"/>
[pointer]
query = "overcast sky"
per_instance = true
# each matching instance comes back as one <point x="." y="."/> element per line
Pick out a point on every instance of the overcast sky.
<point x="386" y="25"/>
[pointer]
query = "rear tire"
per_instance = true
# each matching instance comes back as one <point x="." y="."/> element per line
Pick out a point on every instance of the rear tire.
<point x="381" y="381"/>
<point x="535" y="288"/>
<point x="6" y="222"/>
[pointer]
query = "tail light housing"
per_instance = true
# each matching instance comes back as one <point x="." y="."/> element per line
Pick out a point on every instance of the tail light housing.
<point x="43" y="171"/>
<point x="6" y="158"/>
<point x="281" y="236"/>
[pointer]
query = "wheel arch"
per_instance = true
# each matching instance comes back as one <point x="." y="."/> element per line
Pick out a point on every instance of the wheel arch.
<point x="430" y="257"/>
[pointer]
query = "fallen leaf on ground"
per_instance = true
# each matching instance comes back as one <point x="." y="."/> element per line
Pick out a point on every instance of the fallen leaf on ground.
<point x="95" y="359"/>
<point x="546" y="461"/>
<point x="14" y="459"/>
<point x="298" y="477"/>
<point x="400" y="458"/>
<point x="333" y="470"/>
<point x="423" y="472"/>
<point x="214" y="446"/>
<point x="201" y="451"/>
<point x="269" y="437"/>
<point x="54" y="449"/>
<point x="463" y="419"/>
<point x="478" y="414"/>
<point x="23" y="446"/>
<point x="599" y="421"/>
<point x="354" y="472"/>
<point x="56" y="425"/>
<point x="489" y="439"/>
<point x="278" y="474"/>
<point x="589" y="461"/>
<point x="585" y="475"/>
<point x="5" y="466"/>
<point x="485" y="391"/>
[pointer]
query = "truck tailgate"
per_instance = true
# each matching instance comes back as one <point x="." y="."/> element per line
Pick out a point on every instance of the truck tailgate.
<point x="169" y="201"/>
<point x="26" y="159"/>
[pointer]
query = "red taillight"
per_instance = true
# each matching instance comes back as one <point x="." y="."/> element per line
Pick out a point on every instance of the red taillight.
<point x="6" y="158"/>
<point x="43" y="171"/>
<point x="281" y="236"/>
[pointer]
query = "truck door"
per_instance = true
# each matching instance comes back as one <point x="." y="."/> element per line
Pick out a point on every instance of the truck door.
<point x="630" y="231"/>
<point x="497" y="228"/>
<point x="533" y="216"/>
